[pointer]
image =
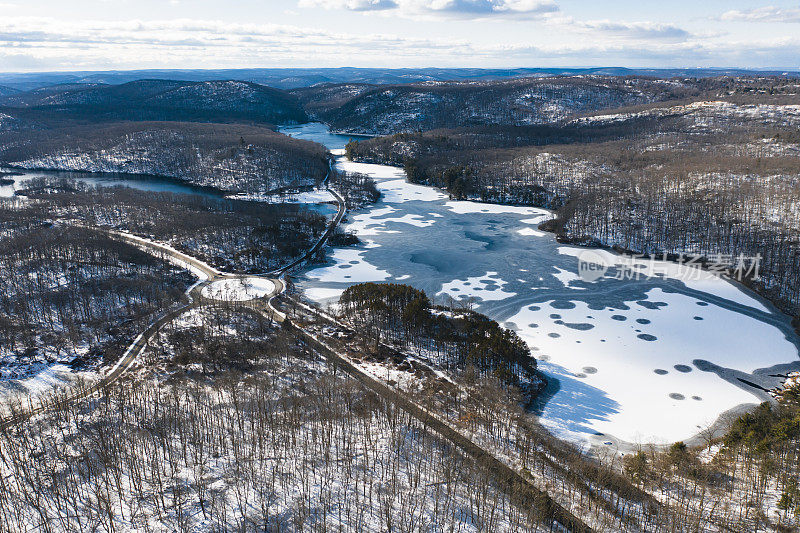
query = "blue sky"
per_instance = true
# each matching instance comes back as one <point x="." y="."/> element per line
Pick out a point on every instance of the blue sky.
<point x="37" y="35"/>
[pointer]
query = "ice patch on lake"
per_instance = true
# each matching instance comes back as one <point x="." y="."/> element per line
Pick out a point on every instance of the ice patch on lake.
<point x="377" y="172"/>
<point x="399" y="191"/>
<point x="531" y="232"/>
<point x="692" y="276"/>
<point x="625" y="347"/>
<point x="488" y="288"/>
<point x="374" y="221"/>
<point x="463" y="207"/>
<point x="566" y="277"/>
<point x="349" y="267"/>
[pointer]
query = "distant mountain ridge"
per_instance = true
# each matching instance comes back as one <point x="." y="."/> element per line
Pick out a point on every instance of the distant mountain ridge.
<point x="292" y="78"/>
<point x="7" y="91"/>
<point x="168" y="100"/>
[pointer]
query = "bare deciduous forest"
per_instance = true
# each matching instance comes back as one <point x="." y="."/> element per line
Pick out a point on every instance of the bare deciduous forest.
<point x="290" y="446"/>
<point x="74" y="296"/>
<point x="237" y="235"/>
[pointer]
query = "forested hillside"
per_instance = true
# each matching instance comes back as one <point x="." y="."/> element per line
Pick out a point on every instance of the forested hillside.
<point x="450" y="339"/>
<point x="72" y="296"/>
<point x="149" y="100"/>
<point x="260" y="435"/>
<point x="234" y="235"/>
<point x="234" y="158"/>
<point x="387" y="109"/>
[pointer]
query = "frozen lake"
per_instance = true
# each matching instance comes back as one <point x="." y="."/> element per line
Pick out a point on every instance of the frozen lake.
<point x="634" y="360"/>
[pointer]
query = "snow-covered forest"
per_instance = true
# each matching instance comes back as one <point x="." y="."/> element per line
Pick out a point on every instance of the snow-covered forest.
<point x="234" y="158"/>
<point x="236" y="235"/>
<point x="72" y="297"/>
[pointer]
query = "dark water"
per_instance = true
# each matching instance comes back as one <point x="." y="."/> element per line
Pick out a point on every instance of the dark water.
<point x="142" y="183"/>
<point x="320" y="133"/>
<point x="133" y="181"/>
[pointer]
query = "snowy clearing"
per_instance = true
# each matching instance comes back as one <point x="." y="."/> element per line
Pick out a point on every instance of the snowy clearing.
<point x="238" y="289"/>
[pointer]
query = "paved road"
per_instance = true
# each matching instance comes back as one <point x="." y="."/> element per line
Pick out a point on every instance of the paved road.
<point x="328" y="232"/>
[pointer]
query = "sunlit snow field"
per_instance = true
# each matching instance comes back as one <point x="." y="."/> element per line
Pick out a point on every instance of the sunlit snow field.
<point x="647" y="360"/>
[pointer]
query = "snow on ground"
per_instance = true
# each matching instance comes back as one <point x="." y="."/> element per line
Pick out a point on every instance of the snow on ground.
<point x="349" y="266"/>
<point x="693" y="277"/>
<point x="323" y="293"/>
<point x="238" y="289"/>
<point x="51" y="377"/>
<point x="633" y="373"/>
<point x="40" y="385"/>
<point x="488" y="287"/>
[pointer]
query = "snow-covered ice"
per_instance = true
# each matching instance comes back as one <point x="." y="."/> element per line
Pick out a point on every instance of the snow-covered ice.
<point x="465" y="206"/>
<point x="693" y="277"/>
<point x="488" y="287"/>
<point x="348" y="266"/>
<point x="399" y="191"/>
<point x="635" y="372"/>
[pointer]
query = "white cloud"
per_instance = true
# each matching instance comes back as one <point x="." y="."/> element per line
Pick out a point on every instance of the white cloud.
<point x="35" y="43"/>
<point x="764" y="14"/>
<point x="49" y="43"/>
<point x="639" y="30"/>
<point x="470" y="9"/>
<point x="605" y="29"/>
<point x="352" y="5"/>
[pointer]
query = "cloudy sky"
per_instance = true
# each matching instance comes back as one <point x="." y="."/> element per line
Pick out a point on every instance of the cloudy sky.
<point x="38" y="35"/>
